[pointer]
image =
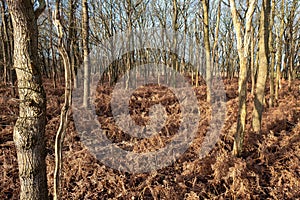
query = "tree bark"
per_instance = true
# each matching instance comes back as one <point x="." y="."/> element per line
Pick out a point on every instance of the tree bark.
<point x="262" y="71"/>
<point x="29" y="130"/>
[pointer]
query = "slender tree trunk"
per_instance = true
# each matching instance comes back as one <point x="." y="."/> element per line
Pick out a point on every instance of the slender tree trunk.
<point x="215" y="54"/>
<point x="4" y="43"/>
<point x="72" y="39"/>
<point x="205" y="5"/>
<point x="67" y="103"/>
<point x="291" y="40"/>
<point x="86" y="57"/>
<point x="5" y="66"/>
<point x="174" y="56"/>
<point x="262" y="72"/>
<point x="271" y="54"/>
<point x="53" y="63"/>
<point x="252" y="62"/>
<point x="128" y="57"/>
<point x="279" y="51"/>
<point x="29" y="130"/>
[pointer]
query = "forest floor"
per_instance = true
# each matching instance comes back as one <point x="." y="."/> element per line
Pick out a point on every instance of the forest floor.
<point x="268" y="169"/>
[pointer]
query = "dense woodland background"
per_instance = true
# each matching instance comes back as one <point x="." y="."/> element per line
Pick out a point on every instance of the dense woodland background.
<point x="254" y="46"/>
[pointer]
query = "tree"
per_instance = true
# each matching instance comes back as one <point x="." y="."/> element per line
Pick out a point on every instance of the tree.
<point x="262" y="71"/>
<point x="86" y="58"/>
<point x="271" y="54"/>
<point x="215" y="57"/>
<point x="279" y="51"/>
<point x="67" y="103"/>
<point x="205" y="5"/>
<point x="52" y="64"/>
<point x="175" y="28"/>
<point x="290" y="43"/>
<point x="72" y="43"/>
<point x="29" y="129"/>
<point x="243" y="50"/>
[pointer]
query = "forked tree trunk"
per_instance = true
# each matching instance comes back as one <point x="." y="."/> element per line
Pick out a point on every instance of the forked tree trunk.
<point x="243" y="50"/>
<point x="29" y="130"/>
<point x="259" y="95"/>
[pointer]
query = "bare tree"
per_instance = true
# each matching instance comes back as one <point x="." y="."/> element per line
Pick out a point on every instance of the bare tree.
<point x="243" y="50"/>
<point x="279" y="51"/>
<point x="86" y="57"/>
<point x="215" y="57"/>
<point x="67" y="103"/>
<point x="290" y="43"/>
<point x="262" y="71"/>
<point x="205" y="5"/>
<point x="72" y="40"/>
<point x="271" y="54"/>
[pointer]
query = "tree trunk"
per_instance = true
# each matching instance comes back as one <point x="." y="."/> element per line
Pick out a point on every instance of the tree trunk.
<point x="272" y="54"/>
<point x="174" y="56"/>
<point x="205" y="5"/>
<point x="252" y="62"/>
<point x="243" y="50"/>
<point x="67" y="103"/>
<point x="29" y="129"/>
<point x="86" y="57"/>
<point x="4" y="43"/>
<point x="259" y="95"/>
<point x="3" y="46"/>
<point x="71" y="45"/>
<point x="215" y="54"/>
<point x="53" y="63"/>
<point x="291" y="41"/>
<point x="279" y="52"/>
